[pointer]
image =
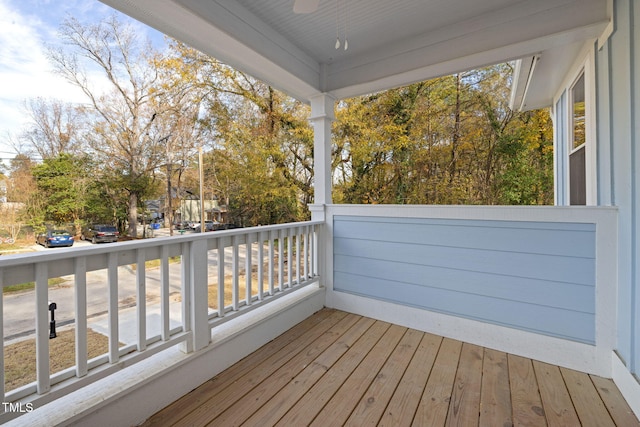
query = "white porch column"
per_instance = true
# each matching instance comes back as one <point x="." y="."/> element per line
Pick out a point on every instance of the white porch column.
<point x="322" y="116"/>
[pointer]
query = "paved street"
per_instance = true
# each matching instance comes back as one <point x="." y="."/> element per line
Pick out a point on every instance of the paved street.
<point x="19" y="308"/>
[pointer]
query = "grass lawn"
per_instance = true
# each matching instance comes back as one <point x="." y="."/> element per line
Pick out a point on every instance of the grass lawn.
<point x="228" y="287"/>
<point x="20" y="357"/>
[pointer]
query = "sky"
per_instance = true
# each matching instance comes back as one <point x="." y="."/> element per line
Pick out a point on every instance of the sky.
<point x="27" y="27"/>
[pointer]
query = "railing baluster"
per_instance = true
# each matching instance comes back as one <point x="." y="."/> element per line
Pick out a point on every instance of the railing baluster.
<point x="248" y="273"/>
<point x="271" y="261"/>
<point x="141" y="299"/>
<point x="297" y="233"/>
<point x="260" y="265"/>
<point x="42" y="328"/>
<point x="280" y="260"/>
<point x="112" y="301"/>
<point x="289" y="258"/>
<point x="80" y="278"/>
<point x="164" y="292"/>
<point x="221" y="277"/>
<point x="235" y="273"/>
<point x="314" y="253"/>
<point x="306" y="252"/>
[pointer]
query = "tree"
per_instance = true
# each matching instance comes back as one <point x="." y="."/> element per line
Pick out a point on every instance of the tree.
<point x="450" y="140"/>
<point x="261" y="143"/>
<point x="55" y="128"/>
<point x="22" y="190"/>
<point x="122" y="114"/>
<point x="64" y="184"/>
<point x="177" y="123"/>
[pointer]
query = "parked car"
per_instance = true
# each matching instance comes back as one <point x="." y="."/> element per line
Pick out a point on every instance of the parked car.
<point x="100" y="233"/>
<point x="208" y="226"/>
<point x="181" y="225"/>
<point x="53" y="238"/>
<point x="227" y="226"/>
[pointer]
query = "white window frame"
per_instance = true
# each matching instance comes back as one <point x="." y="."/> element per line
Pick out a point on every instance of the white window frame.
<point x="585" y="64"/>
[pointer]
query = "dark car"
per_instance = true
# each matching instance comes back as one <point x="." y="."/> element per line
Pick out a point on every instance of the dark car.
<point x="100" y="233"/>
<point x="208" y="226"/>
<point x="53" y="238"/>
<point x="181" y="225"/>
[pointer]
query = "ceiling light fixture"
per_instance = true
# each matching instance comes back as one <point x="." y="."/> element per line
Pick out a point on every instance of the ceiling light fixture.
<point x="308" y="6"/>
<point x="345" y="12"/>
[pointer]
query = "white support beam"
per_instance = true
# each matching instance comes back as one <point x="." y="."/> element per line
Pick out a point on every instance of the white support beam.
<point x="322" y="116"/>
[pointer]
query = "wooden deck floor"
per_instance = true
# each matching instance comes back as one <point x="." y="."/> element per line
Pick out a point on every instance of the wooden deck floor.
<point x="337" y="369"/>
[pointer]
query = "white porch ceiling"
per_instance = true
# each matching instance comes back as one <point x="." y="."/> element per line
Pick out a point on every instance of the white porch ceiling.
<point x="391" y="43"/>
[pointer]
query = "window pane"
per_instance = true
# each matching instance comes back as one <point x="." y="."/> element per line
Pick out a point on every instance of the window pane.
<point x="577" y="178"/>
<point x="577" y="95"/>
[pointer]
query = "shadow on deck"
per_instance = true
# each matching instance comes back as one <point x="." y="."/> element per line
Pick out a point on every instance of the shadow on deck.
<point x="337" y="368"/>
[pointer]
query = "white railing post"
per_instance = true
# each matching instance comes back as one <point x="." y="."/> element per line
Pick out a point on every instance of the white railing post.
<point x="112" y="302"/>
<point x="281" y="235"/>
<point x="270" y="259"/>
<point x="248" y="273"/>
<point x="306" y="252"/>
<point x="186" y="293"/>
<point x="298" y="234"/>
<point x="260" y="265"/>
<point x="42" y="328"/>
<point x="315" y="249"/>
<point x="289" y="257"/>
<point x="220" y="283"/>
<point x="199" y="294"/>
<point x="235" y="272"/>
<point x="164" y="293"/>
<point x="141" y="299"/>
<point x="80" y="276"/>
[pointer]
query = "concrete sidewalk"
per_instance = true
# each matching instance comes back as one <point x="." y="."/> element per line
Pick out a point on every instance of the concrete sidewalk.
<point x="128" y="322"/>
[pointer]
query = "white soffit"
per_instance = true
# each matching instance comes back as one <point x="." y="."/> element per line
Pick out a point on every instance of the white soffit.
<point x="391" y="43"/>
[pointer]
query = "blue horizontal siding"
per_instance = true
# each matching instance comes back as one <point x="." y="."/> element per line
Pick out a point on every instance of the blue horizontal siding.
<point x="534" y="276"/>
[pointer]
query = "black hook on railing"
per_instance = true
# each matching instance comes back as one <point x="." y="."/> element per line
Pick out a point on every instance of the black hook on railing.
<point x="52" y="323"/>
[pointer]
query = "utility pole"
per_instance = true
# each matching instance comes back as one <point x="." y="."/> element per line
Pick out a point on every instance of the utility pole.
<point x="169" y="164"/>
<point x="170" y="209"/>
<point x="202" y="227"/>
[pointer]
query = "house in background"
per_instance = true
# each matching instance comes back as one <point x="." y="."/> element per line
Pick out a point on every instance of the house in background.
<point x="557" y="284"/>
<point x="190" y="206"/>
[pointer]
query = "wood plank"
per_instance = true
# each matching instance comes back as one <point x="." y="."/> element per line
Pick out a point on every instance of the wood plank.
<point x="495" y="396"/>
<point x="372" y="405"/>
<point x="616" y="405"/>
<point x="336" y="368"/>
<point x="586" y="399"/>
<point x="558" y="408"/>
<point x="313" y="401"/>
<point x="231" y="390"/>
<point x="286" y="397"/>
<point x="255" y="390"/>
<point x="434" y="405"/>
<point x="405" y="400"/>
<point x="338" y="409"/>
<point x="464" y="409"/>
<point x="317" y="323"/>
<point x="526" y="404"/>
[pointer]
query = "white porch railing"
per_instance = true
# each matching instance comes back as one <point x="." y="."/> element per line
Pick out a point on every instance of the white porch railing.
<point x="211" y="278"/>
